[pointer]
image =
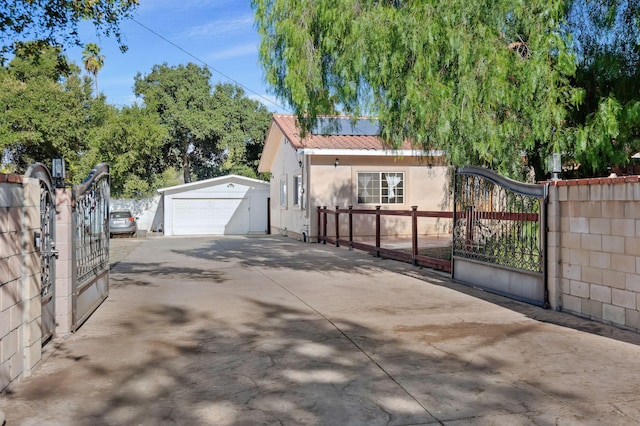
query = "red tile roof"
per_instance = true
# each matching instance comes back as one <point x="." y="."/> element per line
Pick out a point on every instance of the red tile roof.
<point x="288" y="125"/>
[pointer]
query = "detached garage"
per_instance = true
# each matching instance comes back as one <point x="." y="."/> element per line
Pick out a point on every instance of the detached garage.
<point x="226" y="205"/>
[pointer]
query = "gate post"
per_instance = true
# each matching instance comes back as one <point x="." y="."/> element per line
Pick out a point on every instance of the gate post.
<point x="64" y="265"/>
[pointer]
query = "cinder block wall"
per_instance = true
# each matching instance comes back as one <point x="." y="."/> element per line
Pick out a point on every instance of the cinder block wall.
<point x="20" y="305"/>
<point x="594" y="249"/>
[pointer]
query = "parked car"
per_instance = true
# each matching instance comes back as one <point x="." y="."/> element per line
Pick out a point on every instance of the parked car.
<point x="122" y="222"/>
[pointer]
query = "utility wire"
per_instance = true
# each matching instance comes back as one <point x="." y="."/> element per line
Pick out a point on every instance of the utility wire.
<point x="208" y="66"/>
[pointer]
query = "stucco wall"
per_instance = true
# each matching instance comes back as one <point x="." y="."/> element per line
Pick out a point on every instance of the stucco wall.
<point x="20" y="333"/>
<point x="331" y="185"/>
<point x="594" y="248"/>
<point x="425" y="187"/>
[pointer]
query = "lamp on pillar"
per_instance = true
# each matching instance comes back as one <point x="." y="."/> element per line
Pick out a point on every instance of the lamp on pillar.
<point x="58" y="172"/>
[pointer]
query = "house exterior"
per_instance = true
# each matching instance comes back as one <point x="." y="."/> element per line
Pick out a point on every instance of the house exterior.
<point x="226" y="205"/>
<point x="343" y="163"/>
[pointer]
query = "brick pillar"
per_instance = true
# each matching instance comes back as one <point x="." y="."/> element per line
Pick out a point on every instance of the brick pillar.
<point x="64" y="263"/>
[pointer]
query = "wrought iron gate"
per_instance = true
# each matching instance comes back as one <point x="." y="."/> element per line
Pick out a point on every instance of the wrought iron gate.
<point x="45" y="243"/>
<point x="90" y="221"/>
<point x="499" y="234"/>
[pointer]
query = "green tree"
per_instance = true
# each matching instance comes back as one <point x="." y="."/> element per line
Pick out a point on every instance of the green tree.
<point x="131" y="141"/>
<point x="47" y="109"/>
<point x="182" y="98"/>
<point x="93" y="61"/>
<point x="485" y="80"/>
<point x="240" y="127"/>
<point x="56" y="22"/>
<point x="605" y="38"/>
<point x="212" y="131"/>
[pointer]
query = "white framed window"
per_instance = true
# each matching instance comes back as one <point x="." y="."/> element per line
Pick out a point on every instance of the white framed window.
<point x="298" y="199"/>
<point x="283" y="192"/>
<point x="380" y="187"/>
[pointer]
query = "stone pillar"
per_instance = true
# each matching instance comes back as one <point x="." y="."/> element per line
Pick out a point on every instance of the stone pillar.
<point x="64" y="263"/>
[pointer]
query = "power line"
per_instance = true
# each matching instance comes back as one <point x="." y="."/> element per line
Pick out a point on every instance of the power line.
<point x="207" y="65"/>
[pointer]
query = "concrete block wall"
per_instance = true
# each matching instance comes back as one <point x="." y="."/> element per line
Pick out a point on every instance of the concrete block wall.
<point x="594" y="249"/>
<point x="20" y="304"/>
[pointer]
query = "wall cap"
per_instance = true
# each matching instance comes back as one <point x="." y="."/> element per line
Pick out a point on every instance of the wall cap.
<point x="596" y="181"/>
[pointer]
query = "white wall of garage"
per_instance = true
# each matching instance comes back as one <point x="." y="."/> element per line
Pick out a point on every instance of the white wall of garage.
<point x="226" y="205"/>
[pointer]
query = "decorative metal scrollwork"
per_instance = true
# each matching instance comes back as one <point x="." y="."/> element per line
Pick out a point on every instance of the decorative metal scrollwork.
<point x="498" y="223"/>
<point x="92" y="225"/>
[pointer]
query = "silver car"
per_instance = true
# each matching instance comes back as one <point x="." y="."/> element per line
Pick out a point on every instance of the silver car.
<point x="122" y="222"/>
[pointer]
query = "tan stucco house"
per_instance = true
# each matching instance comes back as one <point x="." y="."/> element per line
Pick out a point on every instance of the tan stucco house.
<point x="343" y="163"/>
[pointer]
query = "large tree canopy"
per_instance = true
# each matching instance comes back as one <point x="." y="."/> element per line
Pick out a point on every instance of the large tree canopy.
<point x="56" y="22"/>
<point x="131" y="141"/>
<point x="605" y="35"/>
<point x="182" y="97"/>
<point x="485" y="80"/>
<point x="47" y="109"/>
<point x="212" y="131"/>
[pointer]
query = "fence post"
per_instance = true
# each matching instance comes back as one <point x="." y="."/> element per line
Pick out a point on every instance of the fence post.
<point x="337" y="227"/>
<point x="470" y="219"/>
<point x="319" y="223"/>
<point x="414" y="234"/>
<point x="350" y="228"/>
<point x="378" y="231"/>
<point x="324" y="225"/>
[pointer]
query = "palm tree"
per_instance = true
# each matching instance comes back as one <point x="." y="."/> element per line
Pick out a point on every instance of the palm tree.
<point x="93" y="61"/>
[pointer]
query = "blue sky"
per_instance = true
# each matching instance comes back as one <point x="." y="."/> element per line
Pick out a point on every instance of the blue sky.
<point x="221" y="33"/>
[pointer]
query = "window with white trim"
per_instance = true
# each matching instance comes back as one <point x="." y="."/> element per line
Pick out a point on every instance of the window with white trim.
<point x="380" y="188"/>
<point x="283" y="192"/>
<point x="297" y="191"/>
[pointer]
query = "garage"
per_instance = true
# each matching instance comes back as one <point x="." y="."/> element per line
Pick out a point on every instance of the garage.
<point x="226" y="205"/>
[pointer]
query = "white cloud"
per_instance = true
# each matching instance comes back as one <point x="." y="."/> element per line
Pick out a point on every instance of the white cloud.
<point x="221" y="27"/>
<point x="234" y="52"/>
<point x="271" y="102"/>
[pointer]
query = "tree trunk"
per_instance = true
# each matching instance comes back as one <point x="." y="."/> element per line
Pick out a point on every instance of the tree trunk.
<point x="186" y="166"/>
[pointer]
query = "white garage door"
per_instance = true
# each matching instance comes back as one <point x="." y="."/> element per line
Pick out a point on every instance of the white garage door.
<point x="210" y="216"/>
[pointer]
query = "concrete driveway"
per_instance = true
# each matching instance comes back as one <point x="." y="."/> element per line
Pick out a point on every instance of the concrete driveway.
<point x="267" y="330"/>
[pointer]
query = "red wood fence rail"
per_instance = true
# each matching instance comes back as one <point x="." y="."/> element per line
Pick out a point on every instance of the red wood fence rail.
<point x="414" y="257"/>
<point x="471" y="215"/>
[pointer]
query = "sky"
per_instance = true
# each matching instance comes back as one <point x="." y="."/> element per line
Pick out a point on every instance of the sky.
<point x="220" y="33"/>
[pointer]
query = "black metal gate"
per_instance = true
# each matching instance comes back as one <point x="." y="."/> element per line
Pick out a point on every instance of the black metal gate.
<point x="45" y="243"/>
<point x="90" y="221"/>
<point x="499" y="234"/>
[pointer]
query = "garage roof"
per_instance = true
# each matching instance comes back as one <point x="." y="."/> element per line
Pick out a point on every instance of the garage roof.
<point x="213" y="181"/>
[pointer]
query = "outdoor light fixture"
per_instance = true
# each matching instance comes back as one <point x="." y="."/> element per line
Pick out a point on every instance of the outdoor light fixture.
<point x="556" y="165"/>
<point x="336" y="163"/>
<point x="300" y="163"/>
<point x="58" y="172"/>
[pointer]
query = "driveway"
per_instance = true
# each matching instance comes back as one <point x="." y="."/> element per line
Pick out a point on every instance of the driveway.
<point x="268" y="330"/>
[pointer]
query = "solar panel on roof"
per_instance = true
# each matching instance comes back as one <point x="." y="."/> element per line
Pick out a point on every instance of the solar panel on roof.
<point x="346" y="127"/>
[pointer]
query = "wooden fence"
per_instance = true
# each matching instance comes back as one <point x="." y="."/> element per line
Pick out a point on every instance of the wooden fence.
<point x="413" y="256"/>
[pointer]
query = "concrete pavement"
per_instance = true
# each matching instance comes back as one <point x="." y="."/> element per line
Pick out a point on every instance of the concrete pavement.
<point x="267" y="330"/>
